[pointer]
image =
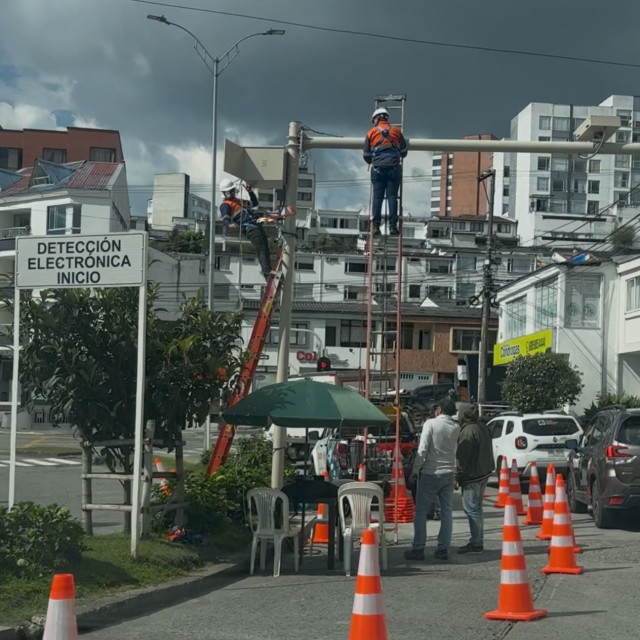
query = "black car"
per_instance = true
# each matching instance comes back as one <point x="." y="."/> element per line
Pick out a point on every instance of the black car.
<point x="604" y="466"/>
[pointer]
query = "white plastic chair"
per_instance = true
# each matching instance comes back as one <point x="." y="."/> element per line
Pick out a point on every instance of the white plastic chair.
<point x="360" y="496"/>
<point x="265" y="501"/>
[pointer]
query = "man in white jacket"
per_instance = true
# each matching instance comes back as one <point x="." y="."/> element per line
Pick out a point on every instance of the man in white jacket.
<point x="434" y="470"/>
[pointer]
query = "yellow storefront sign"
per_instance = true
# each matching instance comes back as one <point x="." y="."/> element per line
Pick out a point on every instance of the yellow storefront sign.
<point x="505" y="352"/>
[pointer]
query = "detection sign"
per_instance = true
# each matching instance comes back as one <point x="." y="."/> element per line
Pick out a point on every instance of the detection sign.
<point x="505" y="352"/>
<point x="107" y="260"/>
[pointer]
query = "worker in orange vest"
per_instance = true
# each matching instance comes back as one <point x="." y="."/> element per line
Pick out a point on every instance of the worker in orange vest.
<point x="238" y="213"/>
<point x="384" y="148"/>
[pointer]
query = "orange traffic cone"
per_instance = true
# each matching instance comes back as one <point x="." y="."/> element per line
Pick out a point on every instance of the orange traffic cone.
<point x="515" y="491"/>
<point x="362" y="473"/>
<point x="368" y="621"/>
<point x="549" y="501"/>
<point x="321" y="530"/>
<point x="514" y="599"/>
<point x="164" y="483"/>
<point x="61" y="618"/>
<point x="503" y="487"/>
<point x="534" y="502"/>
<point x="405" y="508"/>
<point x="562" y="558"/>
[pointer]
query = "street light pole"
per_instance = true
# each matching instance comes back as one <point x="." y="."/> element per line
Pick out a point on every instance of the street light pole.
<point x="213" y="65"/>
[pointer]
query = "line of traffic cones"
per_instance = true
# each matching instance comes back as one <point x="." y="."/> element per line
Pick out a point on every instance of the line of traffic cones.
<point x="368" y="621"/>
<point x="61" y="621"/>
<point x="406" y="509"/>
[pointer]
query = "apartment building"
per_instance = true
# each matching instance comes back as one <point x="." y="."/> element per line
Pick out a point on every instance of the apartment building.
<point x="22" y="147"/>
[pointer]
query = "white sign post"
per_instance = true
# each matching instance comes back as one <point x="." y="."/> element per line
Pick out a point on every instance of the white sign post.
<point x="109" y="260"/>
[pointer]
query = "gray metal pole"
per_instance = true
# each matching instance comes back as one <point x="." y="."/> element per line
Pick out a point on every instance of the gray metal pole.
<point x="486" y="294"/>
<point x="288" y="261"/>
<point x="212" y="217"/>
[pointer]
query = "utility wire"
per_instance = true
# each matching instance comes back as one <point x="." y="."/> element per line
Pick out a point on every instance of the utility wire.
<point x="382" y="36"/>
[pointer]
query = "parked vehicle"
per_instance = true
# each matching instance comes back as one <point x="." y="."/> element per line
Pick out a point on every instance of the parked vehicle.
<point x="533" y="437"/>
<point x="341" y="451"/>
<point x="604" y="466"/>
<point x="418" y="402"/>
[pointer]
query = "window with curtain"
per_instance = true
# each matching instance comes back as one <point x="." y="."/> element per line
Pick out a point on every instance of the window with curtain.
<point x="582" y="302"/>
<point x="633" y="294"/>
<point x="546" y="304"/>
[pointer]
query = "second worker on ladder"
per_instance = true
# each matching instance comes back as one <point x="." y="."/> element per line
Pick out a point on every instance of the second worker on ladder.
<point x="384" y="148"/>
<point x="238" y="213"/>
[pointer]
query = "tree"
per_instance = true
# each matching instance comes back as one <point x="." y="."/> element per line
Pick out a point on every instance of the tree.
<point x="186" y="241"/>
<point x="79" y="355"/>
<point x="541" y="382"/>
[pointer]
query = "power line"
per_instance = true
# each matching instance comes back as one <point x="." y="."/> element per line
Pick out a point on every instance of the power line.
<point x="382" y="36"/>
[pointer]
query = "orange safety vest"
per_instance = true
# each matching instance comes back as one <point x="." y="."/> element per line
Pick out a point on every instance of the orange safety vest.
<point x="385" y="141"/>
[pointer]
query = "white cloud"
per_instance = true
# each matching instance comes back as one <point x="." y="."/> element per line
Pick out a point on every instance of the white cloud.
<point x="194" y="160"/>
<point x="141" y="64"/>
<point x="26" y="116"/>
<point x="87" y="123"/>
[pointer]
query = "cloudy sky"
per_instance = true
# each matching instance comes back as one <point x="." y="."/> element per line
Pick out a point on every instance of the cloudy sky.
<point x="102" y="63"/>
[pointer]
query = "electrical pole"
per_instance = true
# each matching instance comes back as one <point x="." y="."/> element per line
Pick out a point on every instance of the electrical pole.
<point x="487" y="281"/>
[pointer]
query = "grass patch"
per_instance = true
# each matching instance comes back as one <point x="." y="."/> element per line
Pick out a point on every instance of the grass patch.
<point x="107" y="568"/>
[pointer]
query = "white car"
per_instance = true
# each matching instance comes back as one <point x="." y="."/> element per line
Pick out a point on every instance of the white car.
<point x="533" y="437"/>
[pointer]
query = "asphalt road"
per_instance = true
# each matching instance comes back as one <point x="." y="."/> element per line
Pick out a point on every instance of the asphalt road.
<point x="427" y="599"/>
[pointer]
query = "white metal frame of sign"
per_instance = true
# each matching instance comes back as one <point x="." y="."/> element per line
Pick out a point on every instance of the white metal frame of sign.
<point x="96" y="261"/>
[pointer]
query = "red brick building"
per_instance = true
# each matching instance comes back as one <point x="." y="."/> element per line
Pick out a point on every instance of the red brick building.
<point x="460" y="171"/>
<point x="21" y="148"/>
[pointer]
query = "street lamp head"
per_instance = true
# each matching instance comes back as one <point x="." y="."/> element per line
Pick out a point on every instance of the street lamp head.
<point x="274" y="32"/>
<point x="158" y="19"/>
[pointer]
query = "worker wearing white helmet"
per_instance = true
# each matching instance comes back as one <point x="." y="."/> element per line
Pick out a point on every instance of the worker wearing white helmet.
<point x="384" y="148"/>
<point x="237" y="213"/>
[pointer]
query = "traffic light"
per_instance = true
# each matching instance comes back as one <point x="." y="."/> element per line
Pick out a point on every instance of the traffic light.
<point x="324" y="364"/>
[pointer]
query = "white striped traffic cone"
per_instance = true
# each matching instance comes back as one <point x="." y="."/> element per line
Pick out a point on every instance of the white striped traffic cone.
<point x="61" y="618"/>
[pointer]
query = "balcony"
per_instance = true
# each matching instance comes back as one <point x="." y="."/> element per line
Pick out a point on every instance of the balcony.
<point x="8" y="237"/>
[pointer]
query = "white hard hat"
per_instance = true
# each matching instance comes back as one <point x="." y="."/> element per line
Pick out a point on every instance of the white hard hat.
<point x="226" y="185"/>
<point x="379" y="112"/>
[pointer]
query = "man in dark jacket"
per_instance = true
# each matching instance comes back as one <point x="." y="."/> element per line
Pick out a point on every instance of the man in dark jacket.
<point x="474" y="465"/>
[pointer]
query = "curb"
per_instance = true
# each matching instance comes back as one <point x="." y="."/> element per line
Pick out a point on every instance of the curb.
<point x="114" y="609"/>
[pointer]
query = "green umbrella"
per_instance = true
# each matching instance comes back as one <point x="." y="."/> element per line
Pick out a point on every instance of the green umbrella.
<point x="307" y="404"/>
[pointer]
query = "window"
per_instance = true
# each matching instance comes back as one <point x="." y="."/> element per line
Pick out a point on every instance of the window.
<point x="10" y="159"/>
<point x="408" y="232"/>
<point x="265" y="197"/>
<point x="580" y="166"/>
<point x="509" y="429"/>
<point x="55" y="155"/>
<point x="594" y="186"/>
<point x="516" y="320"/>
<point x="621" y="180"/>
<point x="540" y="204"/>
<point x="439" y="293"/>
<point x="465" y="289"/>
<point x="330" y="336"/>
<point x="304" y="197"/>
<point x="546" y="304"/>
<point x="478" y="227"/>
<point x="354" y="293"/>
<point x="559" y="164"/>
<point x="222" y="291"/>
<point x="496" y="429"/>
<point x="406" y="338"/>
<point x="222" y="263"/>
<point x="506" y="172"/>
<point x="505" y="192"/>
<point x="414" y="290"/>
<point x="582" y="309"/>
<point x="544" y="123"/>
<point x="296" y="338"/>
<point x="438" y="266"/>
<point x="542" y="184"/>
<point x="625" y="117"/>
<point x="383" y="265"/>
<point x="518" y="265"/>
<point x="353" y="266"/>
<point x="466" y="263"/>
<point x="621" y="197"/>
<point x="460" y="225"/>
<point x="558" y="206"/>
<point x="579" y="186"/>
<point x="633" y="294"/>
<point x="594" y="166"/>
<point x="303" y="290"/>
<point x="593" y="206"/>
<point x="543" y="163"/>
<point x="424" y="340"/>
<point x="622" y="137"/>
<point x="561" y="124"/>
<point x="558" y="184"/>
<point x="101" y="154"/>
<point x="353" y="333"/>
<point x="63" y="219"/>
<point x="305" y="183"/>
<point x="544" y="138"/>
<point x="304" y="264"/>
<point x="469" y="339"/>
<point x="622" y="161"/>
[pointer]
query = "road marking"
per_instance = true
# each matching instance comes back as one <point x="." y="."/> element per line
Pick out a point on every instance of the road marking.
<point x="42" y="463"/>
<point x="35" y="442"/>
<point x="63" y="461"/>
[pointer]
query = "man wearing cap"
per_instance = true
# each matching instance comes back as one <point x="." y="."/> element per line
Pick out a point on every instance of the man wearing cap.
<point x="384" y="148"/>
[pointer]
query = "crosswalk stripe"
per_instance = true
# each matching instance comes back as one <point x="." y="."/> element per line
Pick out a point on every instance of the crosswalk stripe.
<point x="64" y="461"/>
<point x="42" y="463"/>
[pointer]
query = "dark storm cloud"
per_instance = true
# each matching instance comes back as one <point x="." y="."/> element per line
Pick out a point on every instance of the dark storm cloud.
<point x="126" y="72"/>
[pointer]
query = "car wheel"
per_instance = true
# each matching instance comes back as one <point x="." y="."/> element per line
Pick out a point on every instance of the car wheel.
<point x="575" y="506"/>
<point x="602" y="517"/>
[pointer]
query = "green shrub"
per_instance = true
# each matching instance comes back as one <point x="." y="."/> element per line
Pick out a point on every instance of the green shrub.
<point x="36" y="539"/>
<point x="607" y="399"/>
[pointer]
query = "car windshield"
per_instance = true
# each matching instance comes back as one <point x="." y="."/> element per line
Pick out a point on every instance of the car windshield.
<point x="629" y="432"/>
<point x="549" y="426"/>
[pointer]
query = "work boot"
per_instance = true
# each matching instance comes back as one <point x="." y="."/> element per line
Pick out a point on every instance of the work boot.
<point x="441" y="554"/>
<point x="393" y="230"/>
<point x="471" y="548"/>
<point x="376" y="229"/>
<point x="414" y="554"/>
